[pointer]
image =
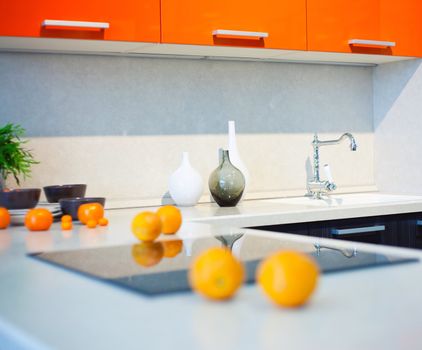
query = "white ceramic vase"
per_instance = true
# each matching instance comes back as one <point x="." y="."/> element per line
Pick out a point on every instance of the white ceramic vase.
<point x="185" y="184"/>
<point x="235" y="157"/>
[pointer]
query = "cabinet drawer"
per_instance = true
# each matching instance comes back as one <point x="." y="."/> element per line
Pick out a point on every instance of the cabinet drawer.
<point x="377" y="230"/>
<point x="403" y="230"/>
<point x="333" y="23"/>
<point x="269" y="23"/>
<point x="128" y="20"/>
<point x="401" y="22"/>
<point x="297" y="229"/>
<point x="418" y="233"/>
<point x="370" y="27"/>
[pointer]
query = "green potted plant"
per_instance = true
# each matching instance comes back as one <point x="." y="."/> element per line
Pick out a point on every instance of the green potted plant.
<point x="15" y="159"/>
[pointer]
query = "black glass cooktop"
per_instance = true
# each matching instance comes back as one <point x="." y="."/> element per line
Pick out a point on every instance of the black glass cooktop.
<point x="161" y="267"/>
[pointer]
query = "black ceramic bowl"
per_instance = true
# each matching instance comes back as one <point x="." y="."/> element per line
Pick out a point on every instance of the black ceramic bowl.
<point x="70" y="206"/>
<point x="22" y="198"/>
<point x="57" y="192"/>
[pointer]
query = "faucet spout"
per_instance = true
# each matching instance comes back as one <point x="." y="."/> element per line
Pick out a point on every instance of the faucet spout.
<point x="353" y="144"/>
<point x="317" y="187"/>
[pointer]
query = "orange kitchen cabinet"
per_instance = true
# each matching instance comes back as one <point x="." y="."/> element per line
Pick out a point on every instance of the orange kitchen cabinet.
<point x="388" y="27"/>
<point x="126" y="20"/>
<point x="332" y="23"/>
<point x="401" y="22"/>
<point x="279" y="24"/>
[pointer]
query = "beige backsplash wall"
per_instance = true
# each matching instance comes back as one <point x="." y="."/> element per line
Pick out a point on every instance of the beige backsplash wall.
<point x="139" y="166"/>
<point x="120" y="124"/>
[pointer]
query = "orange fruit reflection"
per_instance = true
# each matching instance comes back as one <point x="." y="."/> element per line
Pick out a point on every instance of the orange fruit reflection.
<point x="67" y="225"/>
<point x="147" y="254"/>
<point x="288" y="278"/>
<point x="91" y="223"/>
<point x="171" y="219"/>
<point x="216" y="274"/>
<point x="172" y="248"/>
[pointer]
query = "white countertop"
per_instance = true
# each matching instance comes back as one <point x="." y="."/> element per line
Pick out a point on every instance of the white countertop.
<point x="42" y="306"/>
<point x="303" y="209"/>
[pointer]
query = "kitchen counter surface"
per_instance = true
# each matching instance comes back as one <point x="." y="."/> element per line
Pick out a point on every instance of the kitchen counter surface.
<point x="302" y="209"/>
<point x="42" y="306"/>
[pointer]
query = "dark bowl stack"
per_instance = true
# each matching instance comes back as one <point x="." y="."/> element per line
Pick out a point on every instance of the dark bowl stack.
<point x="57" y="192"/>
<point x="70" y="206"/>
<point x="70" y="198"/>
<point x="23" y="198"/>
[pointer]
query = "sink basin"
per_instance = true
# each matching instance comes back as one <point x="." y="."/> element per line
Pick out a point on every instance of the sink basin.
<point x="348" y="199"/>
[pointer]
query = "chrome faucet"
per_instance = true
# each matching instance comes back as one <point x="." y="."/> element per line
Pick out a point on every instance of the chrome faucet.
<point x="316" y="187"/>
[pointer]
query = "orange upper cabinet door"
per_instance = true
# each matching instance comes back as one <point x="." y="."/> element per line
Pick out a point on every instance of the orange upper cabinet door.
<point x="388" y="27"/>
<point x="279" y="24"/>
<point x="126" y="20"/>
<point x="401" y="22"/>
<point x="346" y="26"/>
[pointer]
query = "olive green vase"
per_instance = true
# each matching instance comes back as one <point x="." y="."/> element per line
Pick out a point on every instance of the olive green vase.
<point x="226" y="183"/>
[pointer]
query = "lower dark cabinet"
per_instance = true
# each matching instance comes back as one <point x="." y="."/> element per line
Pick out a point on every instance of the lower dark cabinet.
<point x="402" y="230"/>
<point x="418" y="235"/>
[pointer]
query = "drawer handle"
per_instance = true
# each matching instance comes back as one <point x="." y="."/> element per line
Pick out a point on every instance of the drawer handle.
<point x="239" y="33"/>
<point x="352" y="231"/>
<point x="419" y="223"/>
<point x="77" y="24"/>
<point x="372" y="42"/>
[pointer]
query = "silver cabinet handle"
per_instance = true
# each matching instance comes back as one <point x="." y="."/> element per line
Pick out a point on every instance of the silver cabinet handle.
<point x="352" y="231"/>
<point x="240" y="33"/>
<point x="372" y="42"/>
<point x="419" y="223"/>
<point x="78" y="24"/>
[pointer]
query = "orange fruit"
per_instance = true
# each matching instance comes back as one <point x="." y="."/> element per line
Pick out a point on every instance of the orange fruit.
<point x="89" y="211"/>
<point x="92" y="223"/>
<point x="216" y="274"/>
<point x="66" y="218"/>
<point x="172" y="248"/>
<point x="146" y="226"/>
<point x="39" y="219"/>
<point x="288" y="278"/>
<point x="171" y="219"/>
<point x="66" y="225"/>
<point x="147" y="254"/>
<point x="103" y="222"/>
<point x="4" y="218"/>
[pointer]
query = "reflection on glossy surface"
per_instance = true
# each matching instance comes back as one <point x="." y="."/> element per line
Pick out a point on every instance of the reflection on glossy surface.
<point x="39" y="241"/>
<point x="188" y="243"/>
<point x="125" y="265"/>
<point x="66" y="234"/>
<point x="348" y="253"/>
<point x="229" y="240"/>
<point x="237" y="247"/>
<point x="147" y="254"/>
<point x="5" y="240"/>
<point x="226" y="211"/>
<point x="91" y="237"/>
<point x="172" y="248"/>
